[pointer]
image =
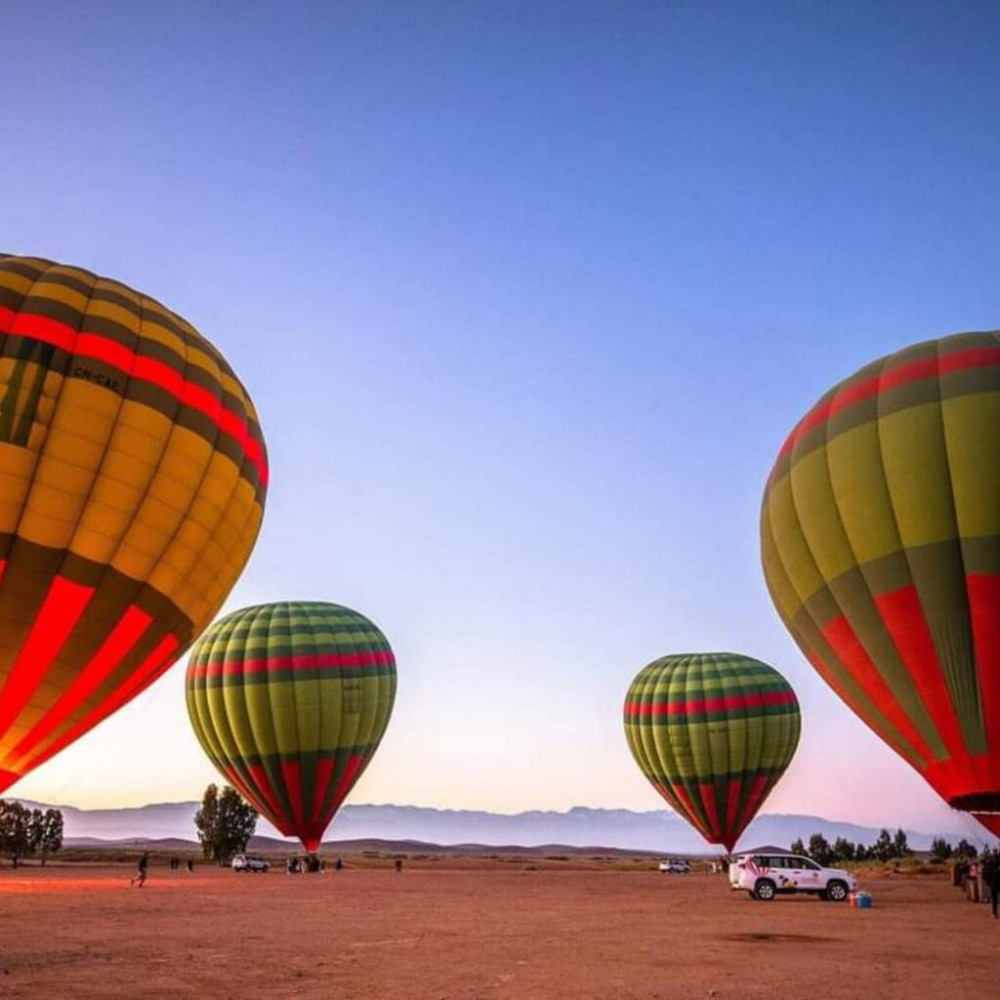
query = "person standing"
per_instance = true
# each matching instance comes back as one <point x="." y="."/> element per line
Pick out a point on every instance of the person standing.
<point x="991" y="877"/>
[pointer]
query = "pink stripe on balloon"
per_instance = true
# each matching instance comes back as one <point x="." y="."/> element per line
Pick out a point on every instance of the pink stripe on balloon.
<point x="727" y="703"/>
<point x="342" y="661"/>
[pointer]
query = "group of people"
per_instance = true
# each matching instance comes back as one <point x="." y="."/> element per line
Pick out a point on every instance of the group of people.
<point x="142" y="869"/>
<point x="310" y="863"/>
<point x="293" y="866"/>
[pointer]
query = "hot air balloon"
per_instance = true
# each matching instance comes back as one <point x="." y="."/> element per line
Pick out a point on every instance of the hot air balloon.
<point x="132" y="483"/>
<point x="713" y="733"/>
<point x="880" y="538"/>
<point x="290" y="702"/>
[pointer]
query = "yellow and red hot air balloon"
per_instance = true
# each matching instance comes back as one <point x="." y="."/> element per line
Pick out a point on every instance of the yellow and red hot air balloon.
<point x="880" y="538"/>
<point x="132" y="483"/>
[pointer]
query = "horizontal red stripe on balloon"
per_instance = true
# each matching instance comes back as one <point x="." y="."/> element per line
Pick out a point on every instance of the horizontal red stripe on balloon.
<point x="912" y="371"/>
<point x="100" y="348"/>
<point x="726" y="703"/>
<point x="376" y="658"/>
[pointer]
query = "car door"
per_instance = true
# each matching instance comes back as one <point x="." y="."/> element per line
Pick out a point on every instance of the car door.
<point x="805" y="874"/>
<point x="783" y="873"/>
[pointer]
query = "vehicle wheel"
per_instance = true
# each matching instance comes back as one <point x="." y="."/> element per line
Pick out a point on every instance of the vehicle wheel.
<point x="836" y="892"/>
<point x="765" y="890"/>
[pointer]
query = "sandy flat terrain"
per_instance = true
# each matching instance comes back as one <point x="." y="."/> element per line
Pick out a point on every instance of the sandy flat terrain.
<point x="496" y="931"/>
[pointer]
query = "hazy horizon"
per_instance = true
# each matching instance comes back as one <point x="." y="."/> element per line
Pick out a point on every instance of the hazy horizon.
<point x="960" y="826"/>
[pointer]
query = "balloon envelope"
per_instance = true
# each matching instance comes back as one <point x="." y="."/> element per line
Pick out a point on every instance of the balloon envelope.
<point x="132" y="484"/>
<point x="713" y="733"/>
<point x="880" y="538"/>
<point x="290" y="701"/>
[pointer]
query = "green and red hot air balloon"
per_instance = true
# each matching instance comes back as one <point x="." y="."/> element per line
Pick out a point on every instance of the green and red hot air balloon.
<point x="290" y="701"/>
<point x="880" y="539"/>
<point x="713" y="733"/>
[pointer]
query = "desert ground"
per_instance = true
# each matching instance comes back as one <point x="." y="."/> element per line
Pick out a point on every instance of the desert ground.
<point x="481" y="928"/>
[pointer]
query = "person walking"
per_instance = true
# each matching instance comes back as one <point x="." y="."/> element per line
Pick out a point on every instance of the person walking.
<point x="139" y="880"/>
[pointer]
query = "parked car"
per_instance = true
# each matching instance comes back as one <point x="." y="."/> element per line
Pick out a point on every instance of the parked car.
<point x="675" y="866"/>
<point x="250" y="863"/>
<point x="765" y="876"/>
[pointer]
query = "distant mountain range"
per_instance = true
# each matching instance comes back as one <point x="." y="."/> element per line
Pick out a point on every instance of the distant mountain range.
<point x="659" y="832"/>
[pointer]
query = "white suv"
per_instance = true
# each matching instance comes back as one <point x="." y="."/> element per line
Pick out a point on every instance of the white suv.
<point x="675" y="866"/>
<point x="765" y="875"/>
<point x="250" y="863"/>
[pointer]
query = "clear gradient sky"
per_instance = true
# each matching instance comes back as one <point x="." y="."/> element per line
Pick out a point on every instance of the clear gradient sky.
<point x="528" y="296"/>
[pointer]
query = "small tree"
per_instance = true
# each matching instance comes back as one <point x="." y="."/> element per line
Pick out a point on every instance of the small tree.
<point x="819" y="849"/>
<point x="883" y="848"/>
<point x="861" y="853"/>
<point x="900" y="846"/>
<point x="51" y="837"/>
<point x="35" y="818"/>
<point x="843" y="850"/>
<point x="225" y="822"/>
<point x="941" y="850"/>
<point x="966" y="850"/>
<point x="798" y="847"/>
<point x="15" y="832"/>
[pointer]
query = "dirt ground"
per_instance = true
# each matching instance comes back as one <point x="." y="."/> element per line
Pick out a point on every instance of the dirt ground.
<point x="490" y="930"/>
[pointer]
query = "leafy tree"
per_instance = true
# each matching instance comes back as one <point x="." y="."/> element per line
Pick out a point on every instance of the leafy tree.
<point x="798" y="847"/>
<point x="844" y="850"/>
<point x="861" y="853"/>
<point x="47" y="832"/>
<point x="225" y="822"/>
<point x="819" y="849"/>
<point x="34" y="831"/>
<point x="900" y="846"/>
<point x="883" y="848"/>
<point x="941" y="850"/>
<point x="24" y="832"/>
<point x="15" y="837"/>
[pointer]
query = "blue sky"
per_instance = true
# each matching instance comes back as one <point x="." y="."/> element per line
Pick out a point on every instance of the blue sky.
<point x="528" y="296"/>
